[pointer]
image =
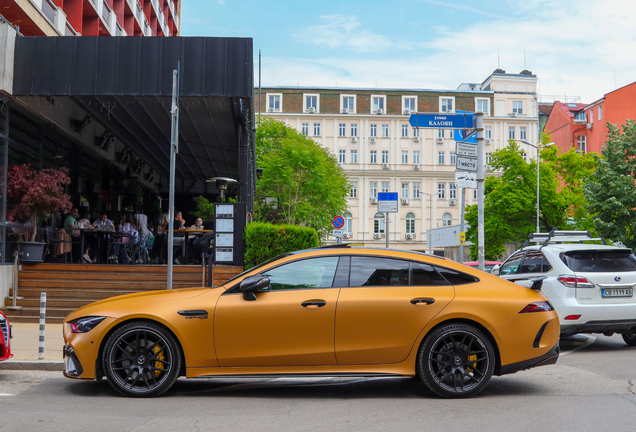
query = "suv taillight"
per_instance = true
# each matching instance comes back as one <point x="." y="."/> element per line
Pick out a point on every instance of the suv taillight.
<point x="572" y="281"/>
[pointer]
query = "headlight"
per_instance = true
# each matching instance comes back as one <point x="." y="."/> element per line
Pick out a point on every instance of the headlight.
<point x="86" y="324"/>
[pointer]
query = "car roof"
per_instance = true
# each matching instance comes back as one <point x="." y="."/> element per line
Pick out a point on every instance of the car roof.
<point x="349" y="247"/>
<point x="574" y="246"/>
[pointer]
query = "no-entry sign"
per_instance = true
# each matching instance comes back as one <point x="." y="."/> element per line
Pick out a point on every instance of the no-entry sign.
<point x="338" y="222"/>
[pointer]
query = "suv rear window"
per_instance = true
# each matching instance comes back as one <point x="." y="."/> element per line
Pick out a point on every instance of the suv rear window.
<point x="597" y="261"/>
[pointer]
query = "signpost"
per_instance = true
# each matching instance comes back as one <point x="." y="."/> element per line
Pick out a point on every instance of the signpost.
<point x="466" y="179"/>
<point x="443" y="120"/>
<point x="387" y="203"/>
<point x="338" y="222"/>
<point x="466" y="163"/>
<point x="466" y="149"/>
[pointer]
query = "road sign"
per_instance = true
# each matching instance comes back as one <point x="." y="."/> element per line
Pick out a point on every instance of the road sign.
<point x="462" y="238"/>
<point x="388" y="202"/>
<point x="465" y="179"/>
<point x="338" y="222"/>
<point x="442" y="121"/>
<point x="466" y="149"/>
<point x="466" y="164"/>
<point x="387" y="196"/>
<point x="466" y="135"/>
<point x="337" y="232"/>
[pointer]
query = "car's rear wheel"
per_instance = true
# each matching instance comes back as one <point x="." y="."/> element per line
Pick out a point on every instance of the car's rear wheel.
<point x="141" y="359"/>
<point x="456" y="361"/>
<point x="630" y="337"/>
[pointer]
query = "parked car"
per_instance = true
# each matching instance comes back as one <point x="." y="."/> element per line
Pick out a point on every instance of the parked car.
<point x="488" y="265"/>
<point x="327" y="311"/>
<point x="591" y="286"/>
<point x="6" y="333"/>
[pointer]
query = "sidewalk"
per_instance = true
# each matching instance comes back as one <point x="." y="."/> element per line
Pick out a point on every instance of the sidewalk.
<point x="25" y="343"/>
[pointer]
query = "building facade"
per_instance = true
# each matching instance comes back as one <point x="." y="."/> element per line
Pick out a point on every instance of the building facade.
<point x="368" y="131"/>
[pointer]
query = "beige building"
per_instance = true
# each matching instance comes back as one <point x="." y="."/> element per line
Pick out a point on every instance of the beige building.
<point x="369" y="133"/>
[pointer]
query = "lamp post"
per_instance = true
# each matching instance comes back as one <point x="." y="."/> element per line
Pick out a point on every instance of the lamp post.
<point x="538" y="147"/>
<point x="430" y="225"/>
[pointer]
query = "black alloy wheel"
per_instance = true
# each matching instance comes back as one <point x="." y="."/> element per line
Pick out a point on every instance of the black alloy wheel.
<point x="141" y="359"/>
<point x="456" y="361"/>
<point x="630" y="337"/>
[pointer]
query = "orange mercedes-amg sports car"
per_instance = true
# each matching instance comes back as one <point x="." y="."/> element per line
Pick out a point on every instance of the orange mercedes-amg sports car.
<point x="335" y="311"/>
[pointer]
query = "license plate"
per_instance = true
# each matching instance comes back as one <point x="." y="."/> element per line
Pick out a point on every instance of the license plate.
<point x="617" y="292"/>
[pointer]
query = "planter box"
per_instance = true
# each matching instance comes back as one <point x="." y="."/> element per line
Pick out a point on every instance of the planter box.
<point x="31" y="251"/>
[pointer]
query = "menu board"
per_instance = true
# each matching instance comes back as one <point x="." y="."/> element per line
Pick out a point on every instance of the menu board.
<point x="225" y="225"/>
<point x="224" y="240"/>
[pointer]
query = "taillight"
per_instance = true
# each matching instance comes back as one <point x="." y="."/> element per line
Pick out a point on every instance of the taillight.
<point x="572" y="317"/>
<point x="572" y="281"/>
<point x="543" y="306"/>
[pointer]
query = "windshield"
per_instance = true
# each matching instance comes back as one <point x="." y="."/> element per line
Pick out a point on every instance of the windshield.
<point x="254" y="268"/>
<point x="597" y="261"/>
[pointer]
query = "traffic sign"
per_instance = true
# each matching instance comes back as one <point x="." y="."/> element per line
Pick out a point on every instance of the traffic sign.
<point x="466" y="149"/>
<point x="388" y="202"/>
<point x="465" y="179"/>
<point x="387" y="196"/>
<point x="337" y="232"/>
<point x="462" y="238"/>
<point x="467" y="135"/>
<point x="466" y="164"/>
<point x="443" y="121"/>
<point x="338" y="222"/>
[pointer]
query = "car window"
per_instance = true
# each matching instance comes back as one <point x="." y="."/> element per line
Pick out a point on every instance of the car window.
<point x="374" y="271"/>
<point x="426" y="275"/>
<point x="304" y="274"/>
<point x="597" y="261"/>
<point x="512" y="265"/>
<point x="534" y="262"/>
<point x="455" y="277"/>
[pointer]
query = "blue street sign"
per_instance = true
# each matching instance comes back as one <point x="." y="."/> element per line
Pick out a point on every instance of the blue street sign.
<point x="338" y="222"/>
<point x="442" y="121"/>
<point x="387" y="196"/>
<point x="463" y="135"/>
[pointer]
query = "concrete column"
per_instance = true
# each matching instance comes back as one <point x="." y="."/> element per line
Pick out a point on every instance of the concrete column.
<point x="7" y="53"/>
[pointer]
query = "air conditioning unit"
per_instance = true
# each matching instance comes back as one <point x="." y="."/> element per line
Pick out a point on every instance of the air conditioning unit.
<point x="513" y="114"/>
<point x="440" y="140"/>
<point x="409" y="236"/>
<point x="340" y="164"/>
<point x="416" y="166"/>
<point x="488" y="168"/>
<point x="589" y="125"/>
<point x="345" y="111"/>
<point x="372" y="139"/>
<point x="377" y="236"/>
<point x="270" y="109"/>
<point x="374" y="200"/>
<point x="346" y="235"/>
<point x="379" y="111"/>
<point x="405" y="201"/>
<point x="453" y="202"/>
<point x="407" y="112"/>
<point x="385" y="166"/>
<point x="416" y="139"/>
<point x="354" y="139"/>
<point x="488" y="141"/>
<point x="311" y="110"/>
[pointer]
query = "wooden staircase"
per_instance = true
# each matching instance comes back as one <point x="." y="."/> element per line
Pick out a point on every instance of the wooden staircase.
<point x="70" y="286"/>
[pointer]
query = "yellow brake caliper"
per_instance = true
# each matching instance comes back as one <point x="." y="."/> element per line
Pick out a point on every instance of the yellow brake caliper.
<point x="160" y="356"/>
<point x="472" y="357"/>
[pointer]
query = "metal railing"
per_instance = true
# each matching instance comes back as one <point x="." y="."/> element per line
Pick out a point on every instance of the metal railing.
<point x="48" y="9"/>
<point x="106" y="13"/>
<point x="560" y="98"/>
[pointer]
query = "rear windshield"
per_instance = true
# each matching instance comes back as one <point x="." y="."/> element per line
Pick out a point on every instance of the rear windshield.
<point x="596" y="261"/>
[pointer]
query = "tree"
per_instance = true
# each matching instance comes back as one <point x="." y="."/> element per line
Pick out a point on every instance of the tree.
<point x="510" y="199"/>
<point x="611" y="191"/>
<point x="303" y="177"/>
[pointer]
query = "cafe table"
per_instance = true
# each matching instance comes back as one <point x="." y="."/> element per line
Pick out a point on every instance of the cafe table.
<point x="187" y="232"/>
<point x="100" y="234"/>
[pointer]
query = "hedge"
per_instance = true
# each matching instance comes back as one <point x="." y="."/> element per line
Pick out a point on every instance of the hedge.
<point x="265" y="241"/>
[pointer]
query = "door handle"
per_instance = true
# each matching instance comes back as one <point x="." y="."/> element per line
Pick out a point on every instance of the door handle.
<point x="313" y="303"/>
<point x="427" y="301"/>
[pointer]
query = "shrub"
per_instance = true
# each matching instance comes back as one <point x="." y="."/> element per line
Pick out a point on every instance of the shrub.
<point x="266" y="241"/>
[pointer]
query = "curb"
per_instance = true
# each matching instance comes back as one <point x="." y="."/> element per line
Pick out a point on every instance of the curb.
<point x="41" y="365"/>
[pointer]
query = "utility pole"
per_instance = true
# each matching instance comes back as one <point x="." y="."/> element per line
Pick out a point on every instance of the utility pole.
<point x="479" y="116"/>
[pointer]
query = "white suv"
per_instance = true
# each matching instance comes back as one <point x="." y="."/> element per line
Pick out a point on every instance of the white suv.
<point x="591" y="286"/>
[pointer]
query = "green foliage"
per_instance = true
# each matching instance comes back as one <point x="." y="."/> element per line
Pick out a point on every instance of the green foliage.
<point x="204" y="210"/>
<point x="304" y="179"/>
<point x="510" y="199"/>
<point x="610" y="191"/>
<point x="266" y="241"/>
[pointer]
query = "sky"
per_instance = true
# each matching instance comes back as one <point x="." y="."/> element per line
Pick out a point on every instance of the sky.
<point x="584" y="48"/>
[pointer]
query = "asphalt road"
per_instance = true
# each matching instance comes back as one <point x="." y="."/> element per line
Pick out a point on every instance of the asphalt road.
<point x="591" y="388"/>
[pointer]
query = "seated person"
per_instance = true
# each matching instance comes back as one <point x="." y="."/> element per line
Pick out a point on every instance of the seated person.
<point x="103" y="223"/>
<point x="69" y="222"/>
<point x="198" y="224"/>
<point x="89" y="242"/>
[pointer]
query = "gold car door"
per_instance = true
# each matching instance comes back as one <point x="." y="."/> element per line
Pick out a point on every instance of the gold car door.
<point x="381" y="313"/>
<point x="291" y="322"/>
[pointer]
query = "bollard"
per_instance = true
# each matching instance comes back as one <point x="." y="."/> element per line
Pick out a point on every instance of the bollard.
<point x="16" y="268"/>
<point x="42" y="319"/>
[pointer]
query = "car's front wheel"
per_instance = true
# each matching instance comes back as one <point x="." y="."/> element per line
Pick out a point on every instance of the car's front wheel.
<point x="456" y="360"/>
<point x="630" y="337"/>
<point x="141" y="359"/>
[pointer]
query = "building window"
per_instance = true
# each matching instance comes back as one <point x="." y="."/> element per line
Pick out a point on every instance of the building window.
<point x="348" y="227"/>
<point x="378" y="223"/>
<point x="385" y="156"/>
<point x="416" y="191"/>
<point x="342" y="156"/>
<point x="274" y="102"/>
<point x="374" y="130"/>
<point x="416" y="132"/>
<point x="385" y="187"/>
<point x="342" y="129"/>
<point x="440" y="133"/>
<point x="474" y="194"/>
<point x="373" y="189"/>
<point x="488" y="132"/>
<point x="354" y="129"/>
<point x="385" y="131"/>
<point x="312" y="103"/>
<point x="316" y="129"/>
<point x="374" y="157"/>
<point x="447" y="219"/>
<point x="409" y="103"/>
<point x="441" y="190"/>
<point x="523" y="133"/>
<point x="305" y="129"/>
<point x="600" y="112"/>
<point x="592" y="115"/>
<point x="416" y="157"/>
<point x="488" y="158"/>
<point x="517" y="107"/>
<point x="446" y="104"/>
<point x="440" y="158"/>
<point x="354" y="190"/>
<point x="405" y="131"/>
<point x="377" y="105"/>
<point x="525" y="157"/>
<point x="405" y="190"/>
<point x="453" y="159"/>
<point x="348" y="103"/>
<point x="452" y="191"/>
<point x="405" y="156"/>
<point x="580" y="116"/>
<point x="511" y="132"/>
<point x="354" y="156"/>
<point x="410" y="223"/>
<point x="581" y="144"/>
<point x="483" y="105"/>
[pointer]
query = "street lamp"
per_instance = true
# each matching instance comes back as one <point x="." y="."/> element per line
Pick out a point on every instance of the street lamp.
<point x="430" y="225"/>
<point x="538" y="147"/>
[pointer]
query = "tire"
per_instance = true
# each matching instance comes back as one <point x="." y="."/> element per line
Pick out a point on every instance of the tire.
<point x="456" y="361"/>
<point x="141" y="359"/>
<point x="630" y="337"/>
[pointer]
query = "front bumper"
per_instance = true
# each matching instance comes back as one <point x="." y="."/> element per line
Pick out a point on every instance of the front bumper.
<point x="549" y="358"/>
<point x="72" y="366"/>
<point x="614" y="326"/>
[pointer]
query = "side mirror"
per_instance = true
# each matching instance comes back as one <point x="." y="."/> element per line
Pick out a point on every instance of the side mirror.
<point x="251" y="284"/>
<point x="495" y="270"/>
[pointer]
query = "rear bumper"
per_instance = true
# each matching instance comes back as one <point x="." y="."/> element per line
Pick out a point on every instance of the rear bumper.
<point x="615" y="326"/>
<point x="549" y="358"/>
